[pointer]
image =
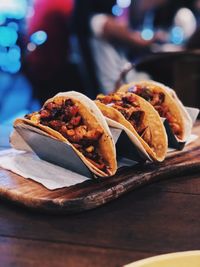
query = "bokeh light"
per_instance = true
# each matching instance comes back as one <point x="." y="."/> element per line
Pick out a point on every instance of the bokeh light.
<point x="147" y="34"/>
<point x="38" y="37"/>
<point x="31" y="47"/>
<point x="12" y="68"/>
<point x="186" y="20"/>
<point x="117" y="10"/>
<point x="30" y="12"/>
<point x="13" y="25"/>
<point x="177" y="35"/>
<point x="13" y="9"/>
<point x="10" y="59"/>
<point x="2" y="19"/>
<point x="14" y="53"/>
<point x="8" y="36"/>
<point x="3" y="56"/>
<point x="123" y="3"/>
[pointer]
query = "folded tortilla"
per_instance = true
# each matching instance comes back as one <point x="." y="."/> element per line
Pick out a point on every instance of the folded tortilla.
<point x="166" y="102"/>
<point x="143" y="124"/>
<point x="73" y="118"/>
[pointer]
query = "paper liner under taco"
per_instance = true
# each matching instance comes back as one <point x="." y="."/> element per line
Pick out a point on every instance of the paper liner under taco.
<point x="152" y="141"/>
<point x="171" y="107"/>
<point x="92" y="122"/>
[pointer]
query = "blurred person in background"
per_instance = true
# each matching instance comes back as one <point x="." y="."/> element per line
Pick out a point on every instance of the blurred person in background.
<point x="47" y="62"/>
<point x="194" y="40"/>
<point x="107" y="31"/>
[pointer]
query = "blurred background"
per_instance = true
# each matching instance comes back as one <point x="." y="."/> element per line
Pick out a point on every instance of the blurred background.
<point x="49" y="46"/>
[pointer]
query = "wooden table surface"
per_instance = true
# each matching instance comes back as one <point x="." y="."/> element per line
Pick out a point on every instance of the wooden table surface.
<point x="159" y="218"/>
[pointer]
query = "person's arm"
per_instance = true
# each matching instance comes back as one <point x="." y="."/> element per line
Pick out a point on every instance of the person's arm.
<point x="111" y="29"/>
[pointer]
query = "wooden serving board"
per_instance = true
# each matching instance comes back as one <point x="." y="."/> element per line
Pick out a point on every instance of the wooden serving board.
<point x="94" y="193"/>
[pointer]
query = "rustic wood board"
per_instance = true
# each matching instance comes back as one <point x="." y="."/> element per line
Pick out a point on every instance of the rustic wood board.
<point x="94" y="193"/>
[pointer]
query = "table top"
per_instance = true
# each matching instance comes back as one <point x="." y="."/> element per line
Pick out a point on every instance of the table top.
<point x="159" y="218"/>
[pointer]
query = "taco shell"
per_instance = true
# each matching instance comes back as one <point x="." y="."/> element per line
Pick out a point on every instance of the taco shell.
<point x="155" y="130"/>
<point x="171" y="101"/>
<point x="92" y="119"/>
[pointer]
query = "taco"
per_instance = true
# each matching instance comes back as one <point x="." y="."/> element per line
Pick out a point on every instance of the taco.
<point x="167" y="104"/>
<point x="143" y="124"/>
<point x="74" y="119"/>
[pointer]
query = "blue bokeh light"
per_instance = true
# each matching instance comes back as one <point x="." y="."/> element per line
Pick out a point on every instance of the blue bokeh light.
<point x="3" y="56"/>
<point x="123" y="3"/>
<point x="177" y="35"/>
<point x="38" y="37"/>
<point x="13" y="25"/>
<point x="18" y="96"/>
<point x="14" y="53"/>
<point x="2" y="19"/>
<point x="13" y="9"/>
<point x="117" y="10"/>
<point x="147" y="34"/>
<point x="8" y="36"/>
<point x="12" y="67"/>
<point x="10" y="59"/>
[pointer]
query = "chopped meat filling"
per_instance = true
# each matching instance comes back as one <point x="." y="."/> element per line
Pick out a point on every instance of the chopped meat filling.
<point x="129" y="107"/>
<point x="64" y="117"/>
<point x="157" y="99"/>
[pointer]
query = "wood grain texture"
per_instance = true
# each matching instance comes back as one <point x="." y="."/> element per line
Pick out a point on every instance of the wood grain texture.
<point x="92" y="193"/>
<point x="146" y="220"/>
<point x="42" y="253"/>
<point x="184" y="185"/>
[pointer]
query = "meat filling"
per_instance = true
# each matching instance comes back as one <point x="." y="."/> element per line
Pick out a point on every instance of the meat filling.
<point x="157" y="99"/>
<point x="128" y="106"/>
<point x="64" y="117"/>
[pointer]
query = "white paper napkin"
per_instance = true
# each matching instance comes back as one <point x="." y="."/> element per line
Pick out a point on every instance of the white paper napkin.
<point x="28" y="165"/>
<point x="191" y="139"/>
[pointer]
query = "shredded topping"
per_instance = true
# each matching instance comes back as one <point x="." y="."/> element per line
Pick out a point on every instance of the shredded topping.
<point x="64" y="117"/>
<point x="157" y="100"/>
